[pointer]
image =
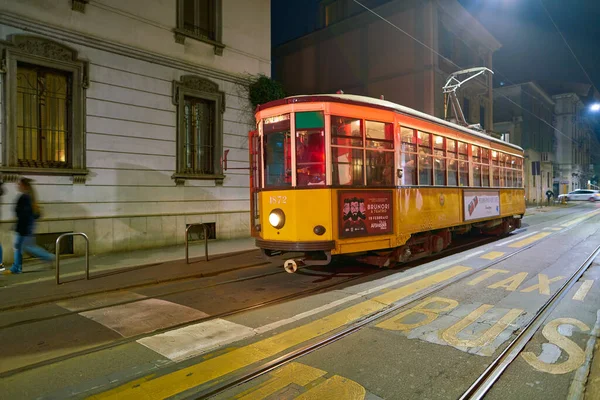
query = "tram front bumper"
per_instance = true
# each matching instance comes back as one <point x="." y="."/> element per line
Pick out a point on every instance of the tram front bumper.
<point x="295" y="246"/>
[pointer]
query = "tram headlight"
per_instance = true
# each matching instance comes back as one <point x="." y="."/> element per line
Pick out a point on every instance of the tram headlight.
<point x="277" y="218"/>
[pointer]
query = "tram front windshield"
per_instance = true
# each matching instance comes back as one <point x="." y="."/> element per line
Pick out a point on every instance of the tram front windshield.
<point x="310" y="150"/>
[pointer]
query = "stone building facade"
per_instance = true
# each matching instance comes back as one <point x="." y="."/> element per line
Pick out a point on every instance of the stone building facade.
<point x="121" y="110"/>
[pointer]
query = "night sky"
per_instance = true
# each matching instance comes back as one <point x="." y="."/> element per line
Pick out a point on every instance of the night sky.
<point x="532" y="48"/>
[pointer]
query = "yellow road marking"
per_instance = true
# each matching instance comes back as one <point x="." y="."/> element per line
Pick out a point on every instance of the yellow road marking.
<point x="529" y="240"/>
<point x="492" y="255"/>
<point x="576" y="356"/>
<point x="431" y="314"/>
<point x="450" y="335"/>
<point x="187" y="378"/>
<point x="544" y="284"/>
<point x="580" y="219"/>
<point x="486" y="274"/>
<point x="510" y="284"/>
<point x="583" y="290"/>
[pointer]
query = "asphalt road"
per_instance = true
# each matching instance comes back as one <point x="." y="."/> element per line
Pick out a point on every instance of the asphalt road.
<point x="460" y="312"/>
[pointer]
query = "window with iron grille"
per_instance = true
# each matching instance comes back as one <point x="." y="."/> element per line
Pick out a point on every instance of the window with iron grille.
<point x="199" y="124"/>
<point x="43" y="115"/>
<point x="44" y="98"/>
<point x="200" y="107"/>
<point x="200" y="20"/>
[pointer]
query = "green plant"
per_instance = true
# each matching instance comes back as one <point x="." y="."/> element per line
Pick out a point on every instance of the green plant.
<point x="265" y="89"/>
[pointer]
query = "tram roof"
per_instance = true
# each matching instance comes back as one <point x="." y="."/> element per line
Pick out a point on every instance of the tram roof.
<point x="384" y="104"/>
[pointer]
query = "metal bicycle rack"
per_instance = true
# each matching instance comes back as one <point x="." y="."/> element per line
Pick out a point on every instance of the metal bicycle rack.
<point x="87" y="254"/>
<point x="187" y="253"/>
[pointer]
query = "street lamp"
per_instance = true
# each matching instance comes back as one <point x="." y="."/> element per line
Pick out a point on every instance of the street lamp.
<point x="595" y="107"/>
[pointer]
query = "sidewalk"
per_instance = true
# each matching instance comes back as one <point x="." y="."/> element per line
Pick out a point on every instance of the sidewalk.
<point x="115" y="271"/>
<point x="531" y="210"/>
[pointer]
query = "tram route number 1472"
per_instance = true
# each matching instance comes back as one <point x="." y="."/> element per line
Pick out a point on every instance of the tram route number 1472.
<point x="277" y="199"/>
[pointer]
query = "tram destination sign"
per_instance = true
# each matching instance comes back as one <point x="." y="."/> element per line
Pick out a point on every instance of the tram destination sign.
<point x="481" y="204"/>
<point x="365" y="213"/>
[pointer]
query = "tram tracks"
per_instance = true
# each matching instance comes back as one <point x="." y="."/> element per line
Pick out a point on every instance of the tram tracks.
<point x="495" y="370"/>
<point x="279" y="300"/>
<point x="256" y="306"/>
<point x="481" y="385"/>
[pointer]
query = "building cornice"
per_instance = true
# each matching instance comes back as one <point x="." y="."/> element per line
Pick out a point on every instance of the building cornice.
<point x="50" y="31"/>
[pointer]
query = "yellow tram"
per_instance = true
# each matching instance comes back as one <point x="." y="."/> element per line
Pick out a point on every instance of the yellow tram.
<point x="344" y="174"/>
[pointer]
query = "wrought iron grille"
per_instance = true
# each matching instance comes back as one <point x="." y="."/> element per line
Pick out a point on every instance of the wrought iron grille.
<point x="199" y="18"/>
<point x="199" y="117"/>
<point x="43" y="117"/>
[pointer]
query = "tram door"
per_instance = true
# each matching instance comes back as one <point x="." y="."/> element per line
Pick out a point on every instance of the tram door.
<point x="255" y="181"/>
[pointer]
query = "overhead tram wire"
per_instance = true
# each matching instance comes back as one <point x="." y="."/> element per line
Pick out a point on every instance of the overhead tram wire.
<point x="460" y="68"/>
<point x="568" y="46"/>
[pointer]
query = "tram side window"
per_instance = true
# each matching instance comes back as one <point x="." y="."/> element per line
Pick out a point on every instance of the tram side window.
<point x="425" y="159"/>
<point x="310" y="148"/>
<point x="439" y="165"/>
<point x="495" y="169"/>
<point x="380" y="153"/>
<point x="519" y="172"/>
<point x="485" y="167"/>
<point x="463" y="164"/>
<point x="409" y="157"/>
<point x="347" y="151"/>
<point x="502" y="168"/>
<point x="476" y="156"/>
<point x="452" y="162"/>
<point x="277" y="151"/>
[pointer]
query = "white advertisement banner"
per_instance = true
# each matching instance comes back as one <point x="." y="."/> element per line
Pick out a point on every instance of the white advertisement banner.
<point x="481" y="204"/>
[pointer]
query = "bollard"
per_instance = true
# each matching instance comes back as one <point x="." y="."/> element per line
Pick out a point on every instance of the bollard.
<point x="87" y="254"/>
<point x="205" y="228"/>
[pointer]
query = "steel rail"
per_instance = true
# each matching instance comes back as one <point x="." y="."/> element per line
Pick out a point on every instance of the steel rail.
<point x="123" y="341"/>
<point x="495" y="370"/>
<point x="352" y="328"/>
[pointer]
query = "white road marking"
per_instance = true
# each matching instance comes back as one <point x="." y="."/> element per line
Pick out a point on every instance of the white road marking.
<point x="170" y="342"/>
<point x="99" y="300"/>
<point x="505" y="242"/>
<point x="143" y="316"/>
<point x="183" y="343"/>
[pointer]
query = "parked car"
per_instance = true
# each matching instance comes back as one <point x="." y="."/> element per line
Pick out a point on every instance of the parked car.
<point x="582" y="194"/>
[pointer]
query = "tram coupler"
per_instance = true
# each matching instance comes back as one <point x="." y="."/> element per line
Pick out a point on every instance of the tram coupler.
<point x="292" y="264"/>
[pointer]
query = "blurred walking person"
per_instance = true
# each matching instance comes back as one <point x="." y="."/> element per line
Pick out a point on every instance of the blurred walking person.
<point x="27" y="210"/>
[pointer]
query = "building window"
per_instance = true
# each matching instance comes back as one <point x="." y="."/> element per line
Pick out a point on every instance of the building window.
<point x="45" y="93"/>
<point x="200" y="107"/>
<point x="199" y="126"/>
<point x="43" y="113"/>
<point x="200" y="20"/>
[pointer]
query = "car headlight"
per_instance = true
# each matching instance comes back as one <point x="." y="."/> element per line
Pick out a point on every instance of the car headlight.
<point x="277" y="218"/>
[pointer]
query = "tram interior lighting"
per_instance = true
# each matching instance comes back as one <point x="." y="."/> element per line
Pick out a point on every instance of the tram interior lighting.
<point x="277" y="218"/>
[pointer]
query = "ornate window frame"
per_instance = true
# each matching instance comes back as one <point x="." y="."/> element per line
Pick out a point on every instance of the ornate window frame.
<point x="47" y="53"/>
<point x="181" y="34"/>
<point x="195" y="86"/>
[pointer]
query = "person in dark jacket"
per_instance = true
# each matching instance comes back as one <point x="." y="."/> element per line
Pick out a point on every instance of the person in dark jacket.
<point x="1" y="263"/>
<point x="27" y="211"/>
